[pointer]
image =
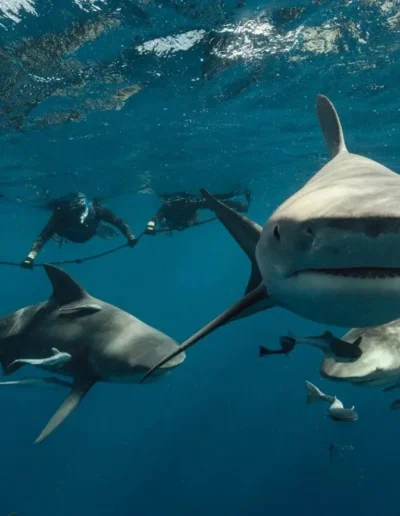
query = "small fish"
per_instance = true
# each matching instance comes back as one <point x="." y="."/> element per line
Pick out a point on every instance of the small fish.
<point x="336" y="410"/>
<point x="333" y="347"/>
<point x="287" y="345"/>
<point x="391" y="387"/>
<point x="395" y="405"/>
<point x="43" y="383"/>
<point x="57" y="360"/>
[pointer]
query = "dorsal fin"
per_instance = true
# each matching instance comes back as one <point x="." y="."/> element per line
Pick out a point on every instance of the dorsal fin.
<point x="65" y="289"/>
<point x="330" y="125"/>
<point x="244" y="231"/>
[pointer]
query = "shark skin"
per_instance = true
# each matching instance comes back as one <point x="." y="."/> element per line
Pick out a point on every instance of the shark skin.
<point x="105" y="345"/>
<point x="330" y="253"/>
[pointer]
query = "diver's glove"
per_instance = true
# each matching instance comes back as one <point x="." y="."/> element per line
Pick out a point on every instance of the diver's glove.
<point x="151" y="228"/>
<point x="27" y="263"/>
<point x="132" y="241"/>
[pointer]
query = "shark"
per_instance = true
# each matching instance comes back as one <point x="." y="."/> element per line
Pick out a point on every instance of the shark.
<point x="329" y="253"/>
<point x="101" y="342"/>
<point x="379" y="364"/>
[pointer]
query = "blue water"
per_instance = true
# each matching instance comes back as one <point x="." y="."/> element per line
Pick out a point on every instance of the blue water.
<point x="226" y="433"/>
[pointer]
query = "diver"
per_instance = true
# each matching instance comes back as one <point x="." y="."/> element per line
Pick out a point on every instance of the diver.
<point x="179" y="210"/>
<point x="76" y="219"/>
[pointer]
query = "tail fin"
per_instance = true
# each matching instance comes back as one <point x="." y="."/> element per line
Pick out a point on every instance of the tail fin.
<point x="314" y="394"/>
<point x="244" y="231"/>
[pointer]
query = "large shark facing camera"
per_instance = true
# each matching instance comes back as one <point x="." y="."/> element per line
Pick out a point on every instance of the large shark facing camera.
<point x="103" y="342"/>
<point x="331" y="252"/>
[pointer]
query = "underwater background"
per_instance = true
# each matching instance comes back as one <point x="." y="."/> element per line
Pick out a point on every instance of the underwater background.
<point x="127" y="100"/>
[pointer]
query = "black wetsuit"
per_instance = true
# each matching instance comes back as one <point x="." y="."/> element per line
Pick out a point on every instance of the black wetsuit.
<point x="179" y="210"/>
<point x="65" y="227"/>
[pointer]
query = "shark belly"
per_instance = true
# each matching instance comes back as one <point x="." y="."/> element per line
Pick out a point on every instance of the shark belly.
<point x="343" y="301"/>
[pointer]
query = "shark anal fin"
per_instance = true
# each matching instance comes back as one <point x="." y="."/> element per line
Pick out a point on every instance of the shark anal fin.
<point x="80" y="388"/>
<point x="254" y="297"/>
<point x="330" y="125"/>
<point x="244" y="231"/>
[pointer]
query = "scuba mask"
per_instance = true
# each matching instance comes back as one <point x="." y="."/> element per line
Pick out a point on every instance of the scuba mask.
<point x="74" y="208"/>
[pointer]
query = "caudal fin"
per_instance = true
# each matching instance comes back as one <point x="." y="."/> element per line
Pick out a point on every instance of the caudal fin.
<point x="314" y="394"/>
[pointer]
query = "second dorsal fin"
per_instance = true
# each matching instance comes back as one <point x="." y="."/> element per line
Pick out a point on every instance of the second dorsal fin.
<point x="331" y="126"/>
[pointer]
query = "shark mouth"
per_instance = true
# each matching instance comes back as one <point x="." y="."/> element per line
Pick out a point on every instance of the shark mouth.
<point x="360" y="272"/>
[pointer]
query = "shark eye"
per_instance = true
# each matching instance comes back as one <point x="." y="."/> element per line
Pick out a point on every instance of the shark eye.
<point x="276" y="233"/>
<point x="308" y="231"/>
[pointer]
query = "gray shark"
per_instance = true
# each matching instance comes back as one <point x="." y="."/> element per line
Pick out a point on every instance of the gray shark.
<point x="105" y="344"/>
<point x="379" y="363"/>
<point x="331" y="252"/>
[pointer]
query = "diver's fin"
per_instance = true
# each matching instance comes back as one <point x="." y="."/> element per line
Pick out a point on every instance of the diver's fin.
<point x="244" y="231"/>
<point x="330" y="125"/>
<point x="80" y="388"/>
<point x="65" y="289"/>
<point x="80" y="310"/>
<point x="247" y="301"/>
<point x="314" y="394"/>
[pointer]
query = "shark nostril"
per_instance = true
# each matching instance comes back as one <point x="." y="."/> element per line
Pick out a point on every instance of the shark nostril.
<point x="276" y="233"/>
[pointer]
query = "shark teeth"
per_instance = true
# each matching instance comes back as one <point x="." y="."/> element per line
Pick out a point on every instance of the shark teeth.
<point x="361" y="272"/>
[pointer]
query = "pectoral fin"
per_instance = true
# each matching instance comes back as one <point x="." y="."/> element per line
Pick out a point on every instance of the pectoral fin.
<point x="253" y="298"/>
<point x="80" y="388"/>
